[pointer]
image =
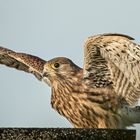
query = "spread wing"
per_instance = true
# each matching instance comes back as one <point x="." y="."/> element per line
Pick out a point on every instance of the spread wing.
<point x="113" y="59"/>
<point x="22" y="61"/>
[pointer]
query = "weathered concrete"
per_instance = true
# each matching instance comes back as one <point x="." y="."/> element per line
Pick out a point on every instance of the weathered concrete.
<point x="65" y="134"/>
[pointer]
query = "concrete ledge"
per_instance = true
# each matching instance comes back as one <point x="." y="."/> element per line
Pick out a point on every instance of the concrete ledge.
<point x="65" y="134"/>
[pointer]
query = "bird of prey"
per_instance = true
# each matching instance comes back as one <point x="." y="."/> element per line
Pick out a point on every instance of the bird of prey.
<point x="102" y="94"/>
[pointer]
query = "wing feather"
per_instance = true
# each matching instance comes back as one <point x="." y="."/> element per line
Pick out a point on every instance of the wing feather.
<point x="113" y="59"/>
<point x="21" y="61"/>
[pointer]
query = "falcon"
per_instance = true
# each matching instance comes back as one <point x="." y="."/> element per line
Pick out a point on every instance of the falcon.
<point x="102" y="94"/>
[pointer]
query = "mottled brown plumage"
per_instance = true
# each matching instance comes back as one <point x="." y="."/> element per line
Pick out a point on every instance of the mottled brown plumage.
<point x="101" y="95"/>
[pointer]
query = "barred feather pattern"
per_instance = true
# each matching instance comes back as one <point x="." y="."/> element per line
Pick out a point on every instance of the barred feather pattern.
<point x="122" y="64"/>
<point x="22" y="61"/>
<point x="83" y="107"/>
<point x="101" y="95"/>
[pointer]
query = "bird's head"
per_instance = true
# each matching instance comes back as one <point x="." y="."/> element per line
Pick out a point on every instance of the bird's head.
<point x="58" y="69"/>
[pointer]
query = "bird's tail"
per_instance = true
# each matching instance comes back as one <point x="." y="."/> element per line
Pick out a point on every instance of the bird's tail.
<point x="131" y="114"/>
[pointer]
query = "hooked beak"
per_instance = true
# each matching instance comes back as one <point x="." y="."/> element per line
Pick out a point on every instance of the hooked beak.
<point x="45" y="74"/>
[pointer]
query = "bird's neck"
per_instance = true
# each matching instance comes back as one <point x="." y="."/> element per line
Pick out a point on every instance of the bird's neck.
<point x="63" y="90"/>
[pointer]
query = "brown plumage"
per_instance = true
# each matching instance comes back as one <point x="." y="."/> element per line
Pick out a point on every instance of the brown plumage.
<point x="101" y="95"/>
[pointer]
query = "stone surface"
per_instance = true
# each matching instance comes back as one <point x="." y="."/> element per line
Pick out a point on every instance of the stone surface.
<point x="65" y="134"/>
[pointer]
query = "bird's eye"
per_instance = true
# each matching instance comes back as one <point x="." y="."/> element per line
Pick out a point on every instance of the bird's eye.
<point x="56" y="65"/>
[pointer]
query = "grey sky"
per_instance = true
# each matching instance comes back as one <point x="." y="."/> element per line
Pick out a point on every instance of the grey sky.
<point x="50" y="28"/>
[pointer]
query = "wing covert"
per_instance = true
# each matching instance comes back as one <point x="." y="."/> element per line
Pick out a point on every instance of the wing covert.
<point x="113" y="59"/>
<point x="21" y="61"/>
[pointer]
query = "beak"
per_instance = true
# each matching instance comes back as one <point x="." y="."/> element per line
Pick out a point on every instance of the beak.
<point x="45" y="74"/>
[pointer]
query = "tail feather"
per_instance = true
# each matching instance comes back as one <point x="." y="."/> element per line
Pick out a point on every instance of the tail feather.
<point x="131" y="115"/>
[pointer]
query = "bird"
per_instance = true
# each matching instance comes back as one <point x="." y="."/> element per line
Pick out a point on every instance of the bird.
<point x="102" y="94"/>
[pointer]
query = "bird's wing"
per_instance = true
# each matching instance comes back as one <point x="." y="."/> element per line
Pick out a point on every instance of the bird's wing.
<point x="113" y="59"/>
<point x="21" y="61"/>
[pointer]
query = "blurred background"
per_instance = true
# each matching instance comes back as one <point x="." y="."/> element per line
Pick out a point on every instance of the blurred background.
<point x="50" y="28"/>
